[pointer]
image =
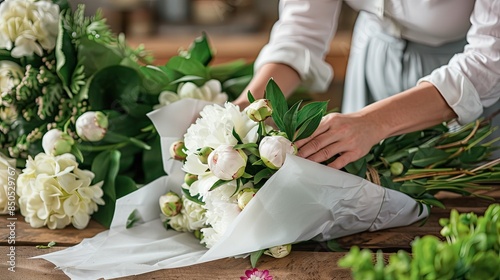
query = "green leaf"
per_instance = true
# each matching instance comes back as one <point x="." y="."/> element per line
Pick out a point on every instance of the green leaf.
<point x="133" y="219"/>
<point x="263" y="174"/>
<point x="278" y="103"/>
<point x="192" y="198"/>
<point x="152" y="163"/>
<point x="290" y="120"/>
<point x="428" y="156"/>
<point x="124" y="90"/>
<point x="65" y="57"/>
<point x="246" y="146"/>
<point x="357" y="167"/>
<point x="255" y="256"/>
<point x="473" y="155"/>
<point x="225" y="71"/>
<point x="124" y="185"/>
<point x="200" y="50"/>
<point x="250" y="97"/>
<point x="235" y="86"/>
<point x="95" y="56"/>
<point x="308" y="127"/>
<point x="154" y="80"/>
<point x="238" y="138"/>
<point x="310" y="110"/>
<point x="186" y="66"/>
<point x="218" y="184"/>
<point x="49" y="245"/>
<point x="334" y="246"/>
<point x="105" y="166"/>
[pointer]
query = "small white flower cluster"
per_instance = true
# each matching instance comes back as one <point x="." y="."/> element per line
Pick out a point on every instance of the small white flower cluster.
<point x="28" y="27"/>
<point x="211" y="91"/>
<point x="54" y="192"/>
<point x="5" y="164"/>
<point x="191" y="217"/>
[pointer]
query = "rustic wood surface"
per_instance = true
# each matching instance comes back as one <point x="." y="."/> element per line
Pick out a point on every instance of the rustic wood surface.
<point x="309" y="260"/>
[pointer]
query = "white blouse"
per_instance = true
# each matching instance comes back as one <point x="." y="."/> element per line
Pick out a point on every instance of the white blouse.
<point x="302" y="35"/>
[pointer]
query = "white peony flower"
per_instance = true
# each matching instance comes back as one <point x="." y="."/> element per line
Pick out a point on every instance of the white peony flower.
<point x="215" y="127"/>
<point x="54" y="192"/>
<point x="227" y="163"/>
<point x="273" y="150"/>
<point x="92" y="126"/>
<point x="222" y="209"/>
<point x="55" y="142"/>
<point x="10" y="75"/>
<point x="192" y="217"/>
<point x="211" y="91"/>
<point x="28" y="27"/>
<point x="8" y="173"/>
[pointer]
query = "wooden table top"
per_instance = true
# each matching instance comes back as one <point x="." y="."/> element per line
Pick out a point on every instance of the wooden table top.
<point x="310" y="260"/>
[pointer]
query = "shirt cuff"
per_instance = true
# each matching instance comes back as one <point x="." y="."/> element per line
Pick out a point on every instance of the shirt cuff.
<point x="315" y="73"/>
<point x="458" y="92"/>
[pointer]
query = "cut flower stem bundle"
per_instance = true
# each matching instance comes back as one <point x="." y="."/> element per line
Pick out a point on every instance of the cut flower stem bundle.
<point x="423" y="163"/>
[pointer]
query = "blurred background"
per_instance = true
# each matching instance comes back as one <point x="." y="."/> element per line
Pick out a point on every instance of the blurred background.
<point x="237" y="29"/>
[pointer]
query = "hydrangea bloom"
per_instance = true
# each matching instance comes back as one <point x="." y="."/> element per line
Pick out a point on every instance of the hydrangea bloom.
<point x="28" y="27"/>
<point x="54" y="192"/>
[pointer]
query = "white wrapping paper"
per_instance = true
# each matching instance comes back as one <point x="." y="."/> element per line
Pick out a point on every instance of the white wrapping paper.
<point x="303" y="200"/>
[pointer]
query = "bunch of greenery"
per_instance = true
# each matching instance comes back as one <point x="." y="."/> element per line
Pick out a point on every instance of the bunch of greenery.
<point x="471" y="251"/>
<point x="441" y="158"/>
<point x="93" y="69"/>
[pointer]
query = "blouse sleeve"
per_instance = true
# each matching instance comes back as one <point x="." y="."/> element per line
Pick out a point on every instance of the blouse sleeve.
<point x="301" y="38"/>
<point x="471" y="79"/>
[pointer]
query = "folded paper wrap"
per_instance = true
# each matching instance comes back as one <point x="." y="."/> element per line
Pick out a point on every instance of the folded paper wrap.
<point x="303" y="200"/>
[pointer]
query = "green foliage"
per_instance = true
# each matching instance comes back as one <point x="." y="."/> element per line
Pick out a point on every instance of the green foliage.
<point x="296" y="122"/>
<point x="422" y="163"/>
<point x="471" y="251"/>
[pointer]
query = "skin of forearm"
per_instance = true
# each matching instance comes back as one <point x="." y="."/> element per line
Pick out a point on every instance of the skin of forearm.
<point x="415" y="109"/>
<point x="285" y="76"/>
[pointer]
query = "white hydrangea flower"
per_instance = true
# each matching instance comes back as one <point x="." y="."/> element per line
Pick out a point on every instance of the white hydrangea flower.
<point x="54" y="192"/>
<point x="211" y="91"/>
<point x="215" y="127"/>
<point x="7" y="165"/>
<point x="10" y="75"/>
<point x="28" y="27"/>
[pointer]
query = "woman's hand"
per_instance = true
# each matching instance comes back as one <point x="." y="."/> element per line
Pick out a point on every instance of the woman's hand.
<point x="351" y="136"/>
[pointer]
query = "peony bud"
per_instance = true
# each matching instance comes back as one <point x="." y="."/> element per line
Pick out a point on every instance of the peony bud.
<point x="190" y="178"/>
<point x="177" y="150"/>
<point x="259" y="110"/>
<point x="204" y="153"/>
<point x="55" y="142"/>
<point x="273" y="150"/>
<point x="279" y="251"/>
<point x="244" y="197"/>
<point x="170" y="204"/>
<point x="227" y="163"/>
<point x="92" y="126"/>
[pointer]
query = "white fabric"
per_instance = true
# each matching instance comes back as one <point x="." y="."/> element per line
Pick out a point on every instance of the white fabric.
<point x="301" y="38"/>
<point x="303" y="200"/>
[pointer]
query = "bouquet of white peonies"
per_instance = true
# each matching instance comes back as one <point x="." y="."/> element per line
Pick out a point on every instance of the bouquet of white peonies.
<point x="228" y="154"/>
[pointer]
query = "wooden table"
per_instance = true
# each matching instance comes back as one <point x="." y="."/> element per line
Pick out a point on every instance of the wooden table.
<point x="307" y="261"/>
